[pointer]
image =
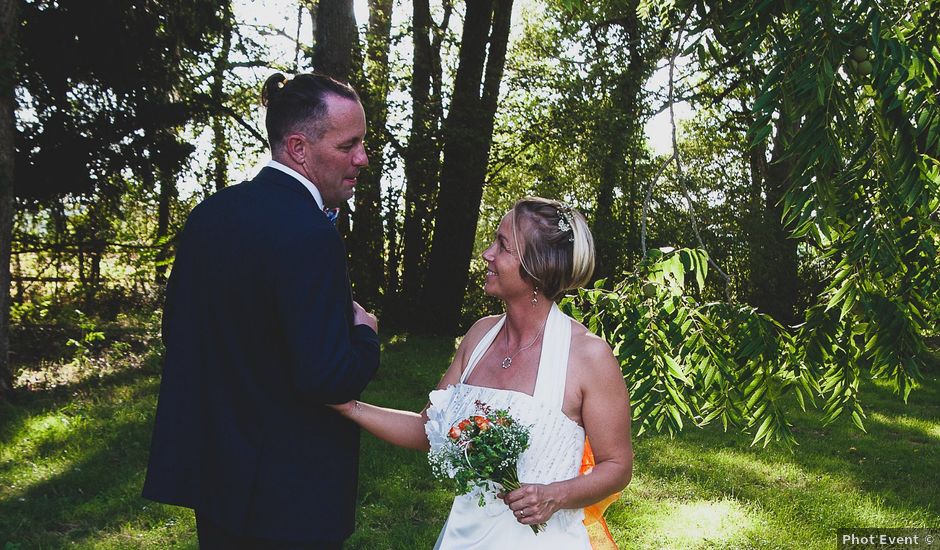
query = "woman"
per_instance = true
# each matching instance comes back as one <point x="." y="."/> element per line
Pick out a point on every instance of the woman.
<point x="552" y="374"/>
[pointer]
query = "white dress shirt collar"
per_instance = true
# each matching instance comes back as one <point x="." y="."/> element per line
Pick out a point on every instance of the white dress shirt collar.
<point x="297" y="176"/>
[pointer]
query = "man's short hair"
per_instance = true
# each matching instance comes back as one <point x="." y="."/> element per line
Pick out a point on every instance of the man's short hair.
<point x="299" y="104"/>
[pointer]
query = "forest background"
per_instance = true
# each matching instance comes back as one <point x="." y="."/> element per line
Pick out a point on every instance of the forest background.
<point x="778" y="252"/>
<point x="768" y="272"/>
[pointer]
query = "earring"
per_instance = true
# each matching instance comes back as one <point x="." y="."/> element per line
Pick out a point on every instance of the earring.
<point x="535" y="296"/>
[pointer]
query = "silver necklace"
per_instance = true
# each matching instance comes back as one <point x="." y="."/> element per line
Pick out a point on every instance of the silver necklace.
<point x="507" y="362"/>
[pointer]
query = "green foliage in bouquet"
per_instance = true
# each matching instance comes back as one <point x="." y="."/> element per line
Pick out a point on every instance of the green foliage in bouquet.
<point x="482" y="452"/>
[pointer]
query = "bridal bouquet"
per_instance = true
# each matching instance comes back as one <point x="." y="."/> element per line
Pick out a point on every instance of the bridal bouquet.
<point x="482" y="452"/>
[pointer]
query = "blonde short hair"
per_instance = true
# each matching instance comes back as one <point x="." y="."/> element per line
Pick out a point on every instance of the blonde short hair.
<point x="555" y="244"/>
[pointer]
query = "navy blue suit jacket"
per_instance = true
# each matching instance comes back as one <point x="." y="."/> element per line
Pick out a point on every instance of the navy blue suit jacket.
<point x="259" y="334"/>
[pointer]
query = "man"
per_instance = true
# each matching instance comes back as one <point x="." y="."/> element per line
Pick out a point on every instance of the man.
<point x="261" y="332"/>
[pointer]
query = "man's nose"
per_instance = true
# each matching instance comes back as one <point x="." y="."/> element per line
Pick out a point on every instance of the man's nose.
<point x="361" y="159"/>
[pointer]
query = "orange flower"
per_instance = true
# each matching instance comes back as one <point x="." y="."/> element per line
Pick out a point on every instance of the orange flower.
<point x="482" y="422"/>
<point x="454" y="433"/>
<point x="464" y="424"/>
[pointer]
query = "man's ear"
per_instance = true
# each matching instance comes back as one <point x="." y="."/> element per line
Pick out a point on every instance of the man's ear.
<point x="294" y="147"/>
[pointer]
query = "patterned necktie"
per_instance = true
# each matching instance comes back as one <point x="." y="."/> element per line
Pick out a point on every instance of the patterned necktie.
<point x="331" y="214"/>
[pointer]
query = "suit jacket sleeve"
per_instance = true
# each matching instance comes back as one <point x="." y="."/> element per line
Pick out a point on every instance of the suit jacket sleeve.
<point x="329" y="359"/>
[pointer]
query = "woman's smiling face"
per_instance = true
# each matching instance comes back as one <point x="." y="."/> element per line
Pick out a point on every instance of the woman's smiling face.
<point x="503" y="276"/>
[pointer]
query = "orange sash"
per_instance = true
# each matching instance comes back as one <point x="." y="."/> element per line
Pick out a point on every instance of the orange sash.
<point x="598" y="532"/>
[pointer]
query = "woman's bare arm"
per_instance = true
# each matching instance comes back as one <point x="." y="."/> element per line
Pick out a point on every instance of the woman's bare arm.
<point x="405" y="428"/>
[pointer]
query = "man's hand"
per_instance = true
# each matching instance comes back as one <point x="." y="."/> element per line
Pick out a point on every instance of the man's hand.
<point x="347" y="409"/>
<point x="363" y="317"/>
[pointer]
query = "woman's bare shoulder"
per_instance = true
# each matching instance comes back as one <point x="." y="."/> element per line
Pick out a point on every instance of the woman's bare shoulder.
<point x="481" y="327"/>
<point x="477" y="331"/>
<point x="592" y="354"/>
<point x="585" y="342"/>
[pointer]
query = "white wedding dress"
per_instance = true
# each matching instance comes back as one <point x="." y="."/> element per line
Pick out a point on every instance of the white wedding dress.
<point x="556" y="445"/>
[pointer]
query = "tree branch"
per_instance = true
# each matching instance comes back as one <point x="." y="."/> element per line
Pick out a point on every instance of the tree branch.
<point x="251" y="130"/>
<point x="680" y="176"/>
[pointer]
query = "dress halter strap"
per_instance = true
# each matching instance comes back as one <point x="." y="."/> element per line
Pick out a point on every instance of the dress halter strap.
<point x="553" y="367"/>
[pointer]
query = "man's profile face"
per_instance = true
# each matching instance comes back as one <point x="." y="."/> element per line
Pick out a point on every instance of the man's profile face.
<point x="332" y="162"/>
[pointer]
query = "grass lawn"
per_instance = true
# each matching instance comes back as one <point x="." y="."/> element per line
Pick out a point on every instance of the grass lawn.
<point x="72" y="461"/>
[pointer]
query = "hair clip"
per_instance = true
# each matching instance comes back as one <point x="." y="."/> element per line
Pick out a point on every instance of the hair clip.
<point x="565" y="221"/>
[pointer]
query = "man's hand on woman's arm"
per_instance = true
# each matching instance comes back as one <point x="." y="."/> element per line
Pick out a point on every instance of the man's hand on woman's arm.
<point x="363" y="317"/>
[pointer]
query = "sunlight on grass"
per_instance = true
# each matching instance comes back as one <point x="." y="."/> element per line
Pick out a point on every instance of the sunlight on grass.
<point x="39" y="430"/>
<point x="929" y="429"/>
<point x="39" y="451"/>
<point x="700" y="523"/>
<point x="713" y="521"/>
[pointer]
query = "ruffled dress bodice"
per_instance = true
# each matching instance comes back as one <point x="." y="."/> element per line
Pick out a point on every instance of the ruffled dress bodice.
<point x="556" y="446"/>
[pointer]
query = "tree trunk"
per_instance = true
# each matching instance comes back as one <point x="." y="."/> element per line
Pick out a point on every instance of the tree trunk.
<point x="16" y="275"/>
<point x="607" y="234"/>
<point x="367" y="267"/>
<point x="8" y="18"/>
<point x="774" y="268"/>
<point x="754" y="226"/>
<point x="220" y="145"/>
<point x="168" y="193"/>
<point x="422" y="163"/>
<point x="81" y="239"/>
<point x="622" y="137"/>
<point x="437" y="74"/>
<point x="100" y="218"/>
<point x="61" y="224"/>
<point x="393" y="253"/>
<point x="335" y="52"/>
<point x="335" y="38"/>
<point x="468" y="133"/>
<point x="783" y="283"/>
<point x="96" y="253"/>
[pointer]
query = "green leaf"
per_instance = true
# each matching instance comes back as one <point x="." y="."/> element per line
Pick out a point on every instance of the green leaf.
<point x="766" y="98"/>
<point x="674" y="369"/>
<point x="642" y="390"/>
<point x="708" y="367"/>
<point x="799" y="397"/>
<point x="857" y="420"/>
<point x="760" y="134"/>
<point x="675" y="416"/>
<point x="763" y="430"/>
<point x="758" y="393"/>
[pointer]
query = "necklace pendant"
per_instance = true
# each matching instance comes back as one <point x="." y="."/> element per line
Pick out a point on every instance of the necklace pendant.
<point x="507" y="362"/>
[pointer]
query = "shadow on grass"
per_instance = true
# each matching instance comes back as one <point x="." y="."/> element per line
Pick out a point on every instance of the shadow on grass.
<point x="73" y="461"/>
<point x="142" y="380"/>
<point x="400" y="503"/>
<point x="75" y="457"/>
